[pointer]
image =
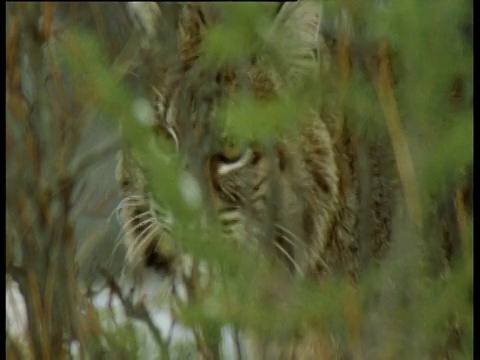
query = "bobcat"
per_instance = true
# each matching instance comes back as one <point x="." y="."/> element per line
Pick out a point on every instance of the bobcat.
<point x="311" y="198"/>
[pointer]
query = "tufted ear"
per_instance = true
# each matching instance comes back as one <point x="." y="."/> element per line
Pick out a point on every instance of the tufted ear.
<point x="295" y="35"/>
<point x="194" y="20"/>
<point x="146" y="17"/>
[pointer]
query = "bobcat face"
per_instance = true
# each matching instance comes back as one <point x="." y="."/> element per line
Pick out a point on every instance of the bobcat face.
<point x="282" y="197"/>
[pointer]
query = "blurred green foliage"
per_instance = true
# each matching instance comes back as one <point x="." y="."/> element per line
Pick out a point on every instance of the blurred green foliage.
<point x="404" y="309"/>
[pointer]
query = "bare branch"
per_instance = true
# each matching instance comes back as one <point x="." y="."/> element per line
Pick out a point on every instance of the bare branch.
<point x="136" y="311"/>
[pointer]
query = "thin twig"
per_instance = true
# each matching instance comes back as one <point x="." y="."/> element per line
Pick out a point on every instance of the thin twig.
<point x="462" y="217"/>
<point x="238" y="347"/>
<point x="397" y="135"/>
<point x="137" y="311"/>
<point x="170" y="332"/>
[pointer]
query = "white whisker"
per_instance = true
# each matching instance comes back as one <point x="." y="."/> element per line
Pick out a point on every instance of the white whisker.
<point x="122" y="233"/>
<point x="288" y="240"/>
<point x="137" y="240"/>
<point x="137" y="217"/>
<point x="289" y="257"/>
<point x="142" y="243"/>
<point x="126" y="202"/>
<point x="140" y="225"/>
<point x="288" y="232"/>
<point x="120" y="205"/>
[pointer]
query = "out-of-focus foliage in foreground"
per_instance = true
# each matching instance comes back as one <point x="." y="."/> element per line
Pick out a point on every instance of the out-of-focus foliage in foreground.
<point x="400" y="71"/>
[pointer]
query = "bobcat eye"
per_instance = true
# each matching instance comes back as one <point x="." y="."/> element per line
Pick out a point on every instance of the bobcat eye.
<point x="230" y="165"/>
<point x="231" y="153"/>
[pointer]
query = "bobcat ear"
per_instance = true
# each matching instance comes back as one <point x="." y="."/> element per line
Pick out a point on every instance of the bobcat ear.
<point x="146" y="16"/>
<point x="194" y="20"/>
<point x="295" y="33"/>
